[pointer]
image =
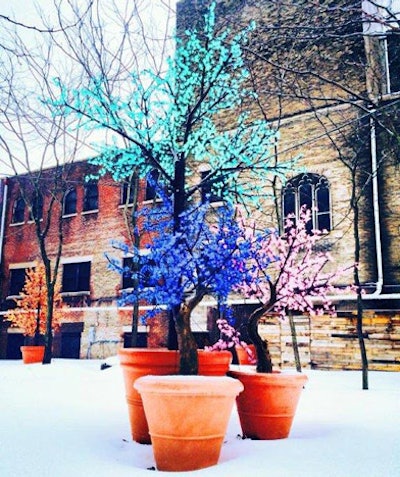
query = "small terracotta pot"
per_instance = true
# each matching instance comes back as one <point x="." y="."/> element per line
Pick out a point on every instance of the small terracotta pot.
<point x="32" y="354"/>
<point x="137" y="362"/>
<point x="268" y="403"/>
<point x="188" y="417"/>
<point x="243" y="356"/>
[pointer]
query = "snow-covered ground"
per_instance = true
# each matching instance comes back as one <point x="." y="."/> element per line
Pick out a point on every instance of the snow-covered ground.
<point x="69" y="419"/>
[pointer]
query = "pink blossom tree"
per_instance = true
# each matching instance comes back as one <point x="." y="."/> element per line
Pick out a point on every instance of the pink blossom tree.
<point x="286" y="273"/>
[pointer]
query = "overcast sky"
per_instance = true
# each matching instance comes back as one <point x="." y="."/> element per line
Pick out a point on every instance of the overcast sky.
<point x="153" y="13"/>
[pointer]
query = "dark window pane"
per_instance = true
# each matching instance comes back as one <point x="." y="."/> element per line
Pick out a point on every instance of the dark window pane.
<point x="305" y="195"/>
<point x="324" y="222"/>
<point x="152" y="185"/>
<point x="393" y="46"/>
<point x="19" y="211"/>
<point x="76" y="277"/>
<point x="70" y="202"/>
<point x="208" y="189"/>
<point x="322" y="194"/>
<point x="127" y="194"/>
<point x="37" y="207"/>
<point x="17" y="280"/>
<point x="289" y="202"/>
<point x="127" y="280"/>
<point x="91" y="201"/>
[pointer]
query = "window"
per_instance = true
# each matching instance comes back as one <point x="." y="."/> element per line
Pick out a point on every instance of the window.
<point x="392" y="63"/>
<point x="76" y="277"/>
<point x="127" y="193"/>
<point x="144" y="276"/>
<point x="311" y="191"/>
<point x="18" y="211"/>
<point x="152" y="184"/>
<point x="17" y="281"/>
<point x="69" y="205"/>
<point x="127" y="280"/>
<point x="91" y="200"/>
<point x="207" y="189"/>
<point x="37" y="207"/>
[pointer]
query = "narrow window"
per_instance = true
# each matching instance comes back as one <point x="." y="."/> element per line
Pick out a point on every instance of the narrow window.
<point x="37" y="207"/>
<point x="18" y="211"/>
<point x="76" y="277"/>
<point x="17" y="281"/>
<point x="69" y="205"/>
<point x="91" y="199"/>
<point x="127" y="280"/>
<point x="393" y="58"/>
<point x="208" y="188"/>
<point x="152" y="184"/>
<point x="127" y="193"/>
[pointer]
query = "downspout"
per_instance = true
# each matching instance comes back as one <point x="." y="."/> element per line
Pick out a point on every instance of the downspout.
<point x="375" y="203"/>
<point x="3" y="216"/>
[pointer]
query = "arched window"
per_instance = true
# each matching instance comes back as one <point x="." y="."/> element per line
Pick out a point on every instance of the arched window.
<point x="311" y="191"/>
<point x="69" y="206"/>
<point x="91" y="200"/>
<point x="37" y="207"/>
<point x="127" y="193"/>
<point x="152" y="184"/>
<point x="18" y="211"/>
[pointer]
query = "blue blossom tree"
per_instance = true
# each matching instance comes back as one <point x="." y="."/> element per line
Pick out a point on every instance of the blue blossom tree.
<point x="192" y="118"/>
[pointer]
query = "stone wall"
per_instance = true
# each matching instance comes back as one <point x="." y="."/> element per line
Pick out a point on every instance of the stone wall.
<point x="327" y="342"/>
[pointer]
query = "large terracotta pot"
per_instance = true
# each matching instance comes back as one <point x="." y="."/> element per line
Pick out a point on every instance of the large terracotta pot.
<point x="268" y="403"/>
<point x="137" y="362"/>
<point x="188" y="417"/>
<point x="32" y="354"/>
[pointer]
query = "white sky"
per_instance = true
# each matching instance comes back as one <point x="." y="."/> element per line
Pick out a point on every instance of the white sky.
<point x="153" y="13"/>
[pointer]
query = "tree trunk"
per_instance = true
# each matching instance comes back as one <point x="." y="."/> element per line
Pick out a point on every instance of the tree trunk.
<point x="188" y="363"/>
<point x="361" y="342"/>
<point x="48" y="337"/>
<point x="360" y="334"/>
<point x="295" y="343"/>
<point x="264" y="362"/>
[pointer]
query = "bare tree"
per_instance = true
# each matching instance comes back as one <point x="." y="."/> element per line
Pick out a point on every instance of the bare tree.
<point x="329" y="65"/>
<point x="32" y="139"/>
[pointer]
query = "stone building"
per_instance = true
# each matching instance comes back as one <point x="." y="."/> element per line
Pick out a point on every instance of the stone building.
<point x="327" y="77"/>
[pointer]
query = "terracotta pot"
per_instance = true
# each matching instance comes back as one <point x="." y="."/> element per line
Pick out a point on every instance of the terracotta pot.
<point x="137" y="362"/>
<point x="32" y="354"/>
<point x="188" y="417"/>
<point x="268" y="403"/>
<point x="242" y="355"/>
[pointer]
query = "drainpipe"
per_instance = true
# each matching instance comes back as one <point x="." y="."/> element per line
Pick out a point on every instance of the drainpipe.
<point x="375" y="199"/>
<point x="377" y="294"/>
<point x="3" y="216"/>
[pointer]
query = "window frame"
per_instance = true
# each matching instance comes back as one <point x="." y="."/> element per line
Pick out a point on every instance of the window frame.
<point x="316" y="183"/>
<point x="151" y="190"/>
<point x="388" y="62"/>
<point x="91" y="197"/>
<point x="77" y="288"/>
<point x="37" y="205"/>
<point x="206" y="190"/>
<point x="17" y="207"/>
<point x="13" y="290"/>
<point x="70" y="192"/>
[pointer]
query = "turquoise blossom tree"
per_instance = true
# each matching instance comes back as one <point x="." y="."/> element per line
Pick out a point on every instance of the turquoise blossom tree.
<point x="189" y="128"/>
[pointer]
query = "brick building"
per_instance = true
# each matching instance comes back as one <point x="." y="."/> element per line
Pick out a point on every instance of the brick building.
<point x="92" y="214"/>
<point x="334" y="99"/>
